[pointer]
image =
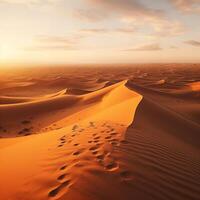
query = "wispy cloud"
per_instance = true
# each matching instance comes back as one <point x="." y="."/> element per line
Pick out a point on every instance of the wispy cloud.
<point x="193" y="43"/>
<point x="54" y="39"/>
<point x="28" y="2"/>
<point x="46" y="42"/>
<point x="93" y="15"/>
<point x="101" y="9"/>
<point x="105" y="30"/>
<point x="93" y="30"/>
<point x="147" y="47"/>
<point x="187" y="6"/>
<point x="49" y="48"/>
<point x="165" y="28"/>
<point x="132" y="13"/>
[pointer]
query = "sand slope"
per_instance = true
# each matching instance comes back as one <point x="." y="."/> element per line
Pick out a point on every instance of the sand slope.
<point x="97" y="136"/>
<point x="52" y="164"/>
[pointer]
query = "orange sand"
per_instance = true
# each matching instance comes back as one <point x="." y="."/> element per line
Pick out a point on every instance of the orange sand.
<point x="120" y="133"/>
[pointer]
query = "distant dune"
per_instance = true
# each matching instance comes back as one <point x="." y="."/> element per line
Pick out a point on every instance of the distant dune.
<point x="103" y="133"/>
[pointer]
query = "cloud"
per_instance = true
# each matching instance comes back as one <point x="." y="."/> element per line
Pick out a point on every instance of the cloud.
<point x="187" y="6"/>
<point x="54" y="39"/>
<point x="125" y="30"/>
<point x="94" y="30"/>
<point x="127" y="9"/>
<point x="20" y="1"/>
<point x="104" y="30"/>
<point x="93" y="15"/>
<point x="132" y="13"/>
<point x="193" y="43"/>
<point x="31" y="3"/>
<point x="165" y="28"/>
<point x="147" y="47"/>
<point x="27" y="1"/>
<point x="49" y="48"/>
<point x="45" y="42"/>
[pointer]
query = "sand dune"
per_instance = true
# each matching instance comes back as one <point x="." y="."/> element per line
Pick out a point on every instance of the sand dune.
<point x="106" y="105"/>
<point x="20" y="117"/>
<point x="130" y="137"/>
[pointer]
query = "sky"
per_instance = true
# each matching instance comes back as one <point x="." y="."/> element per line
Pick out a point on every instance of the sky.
<point x="99" y="31"/>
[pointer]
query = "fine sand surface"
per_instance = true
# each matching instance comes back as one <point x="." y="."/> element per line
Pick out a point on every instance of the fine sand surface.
<point x="121" y="133"/>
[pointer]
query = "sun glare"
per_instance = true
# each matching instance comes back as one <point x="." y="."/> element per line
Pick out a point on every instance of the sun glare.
<point x="6" y="52"/>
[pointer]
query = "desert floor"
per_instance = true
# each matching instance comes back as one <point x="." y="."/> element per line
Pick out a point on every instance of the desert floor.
<point x="100" y="133"/>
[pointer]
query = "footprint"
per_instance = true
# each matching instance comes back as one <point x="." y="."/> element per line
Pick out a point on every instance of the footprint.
<point x="69" y="141"/>
<point x="94" y="152"/>
<point x="91" y="124"/>
<point x="63" y="138"/>
<point x="79" y="165"/>
<point x="126" y="175"/>
<point x="76" y="153"/>
<point x="76" y="144"/>
<point x="99" y="144"/>
<point x="100" y="157"/>
<point x="63" y="167"/>
<point x="89" y="141"/>
<point x="74" y="128"/>
<point x="94" y="148"/>
<point x="96" y="138"/>
<point x="114" y="133"/>
<point x="108" y="137"/>
<point x="60" y="145"/>
<point x="62" y="186"/>
<point x="109" y="163"/>
<point x="124" y="142"/>
<point x="112" y="166"/>
<point x="61" y="177"/>
<point x="114" y="143"/>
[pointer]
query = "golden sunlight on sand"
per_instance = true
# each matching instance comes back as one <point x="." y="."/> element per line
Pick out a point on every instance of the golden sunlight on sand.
<point x="99" y="134"/>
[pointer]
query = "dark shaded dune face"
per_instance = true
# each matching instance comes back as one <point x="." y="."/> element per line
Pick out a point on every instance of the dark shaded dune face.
<point x="12" y="100"/>
<point x="44" y="81"/>
<point x="161" y="168"/>
<point x="163" y="142"/>
<point x="45" y="87"/>
<point x="163" y="151"/>
<point x="77" y="91"/>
